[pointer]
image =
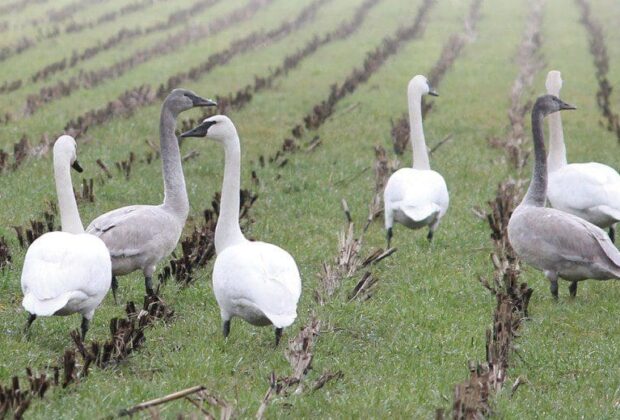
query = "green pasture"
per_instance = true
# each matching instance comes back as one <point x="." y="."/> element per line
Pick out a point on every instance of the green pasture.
<point x="403" y="350"/>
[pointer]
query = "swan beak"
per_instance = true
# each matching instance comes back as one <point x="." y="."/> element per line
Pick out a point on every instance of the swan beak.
<point x="198" y="101"/>
<point x="199" y="131"/>
<point x="564" y="105"/>
<point x="432" y="91"/>
<point x="77" y="167"/>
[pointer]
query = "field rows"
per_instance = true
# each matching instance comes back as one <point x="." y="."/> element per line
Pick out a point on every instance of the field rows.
<point x="402" y="350"/>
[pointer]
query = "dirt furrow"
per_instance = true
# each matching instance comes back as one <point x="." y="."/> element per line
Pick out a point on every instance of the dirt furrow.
<point x="598" y="49"/>
<point x="18" y="6"/>
<point x="473" y="397"/>
<point x="239" y="99"/>
<point x="25" y="43"/>
<point x="451" y="50"/>
<point x="123" y="35"/>
<point x="87" y="80"/>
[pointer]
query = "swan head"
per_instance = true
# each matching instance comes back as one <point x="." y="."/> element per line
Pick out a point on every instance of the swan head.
<point x="421" y="86"/>
<point x="548" y="104"/>
<point x="218" y="127"/>
<point x="65" y="152"/>
<point x="554" y="82"/>
<point x="180" y="100"/>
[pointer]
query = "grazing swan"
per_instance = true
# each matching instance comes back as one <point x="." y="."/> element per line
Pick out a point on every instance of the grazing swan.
<point x="555" y="242"/>
<point x="418" y="196"/>
<point x="256" y="281"/>
<point x="66" y="272"/>
<point x="588" y="190"/>
<point x="140" y="236"/>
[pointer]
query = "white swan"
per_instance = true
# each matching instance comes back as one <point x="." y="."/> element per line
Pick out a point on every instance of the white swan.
<point x="588" y="190"/>
<point x="418" y="196"/>
<point x="555" y="242"/>
<point x="140" y="236"/>
<point x="66" y="272"/>
<point x="256" y="281"/>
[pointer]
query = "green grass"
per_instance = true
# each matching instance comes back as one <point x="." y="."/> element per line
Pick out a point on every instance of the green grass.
<point x="402" y="351"/>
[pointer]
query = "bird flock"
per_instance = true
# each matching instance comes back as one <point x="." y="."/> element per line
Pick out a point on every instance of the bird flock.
<point x="71" y="271"/>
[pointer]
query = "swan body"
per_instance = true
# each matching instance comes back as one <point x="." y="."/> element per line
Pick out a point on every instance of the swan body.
<point x="140" y="236"/>
<point x="587" y="190"/>
<point x="255" y="281"/>
<point x="416" y="197"/>
<point x="558" y="243"/>
<point x="258" y="282"/>
<point x="70" y="271"/>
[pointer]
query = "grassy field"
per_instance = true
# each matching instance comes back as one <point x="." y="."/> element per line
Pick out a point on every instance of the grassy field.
<point x="402" y="351"/>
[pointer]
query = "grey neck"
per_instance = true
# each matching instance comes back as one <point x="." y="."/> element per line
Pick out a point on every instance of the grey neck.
<point x="228" y="232"/>
<point x="416" y="133"/>
<point x="537" y="192"/>
<point x="175" y="193"/>
<point x="69" y="215"/>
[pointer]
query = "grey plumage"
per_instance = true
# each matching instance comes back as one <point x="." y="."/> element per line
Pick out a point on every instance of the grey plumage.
<point x="140" y="236"/>
<point x="558" y="243"/>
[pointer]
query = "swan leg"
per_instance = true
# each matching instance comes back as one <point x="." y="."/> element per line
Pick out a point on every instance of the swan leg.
<point x="612" y="233"/>
<point x="148" y="285"/>
<point x="31" y="318"/>
<point x="573" y="289"/>
<point x="114" y="289"/>
<point x="226" y="328"/>
<point x="389" y="237"/>
<point x="430" y="235"/>
<point x="553" y="280"/>
<point x="278" y="335"/>
<point x="84" y="326"/>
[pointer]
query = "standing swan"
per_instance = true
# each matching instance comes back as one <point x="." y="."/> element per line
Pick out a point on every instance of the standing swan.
<point x="66" y="272"/>
<point x="558" y="243"/>
<point x="588" y="190"/>
<point x="140" y="236"/>
<point x="256" y="281"/>
<point x="418" y="196"/>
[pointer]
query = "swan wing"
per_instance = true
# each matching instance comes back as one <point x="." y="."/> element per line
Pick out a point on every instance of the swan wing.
<point x="549" y="238"/>
<point x="585" y="186"/>
<point x="131" y="231"/>
<point x="60" y="266"/>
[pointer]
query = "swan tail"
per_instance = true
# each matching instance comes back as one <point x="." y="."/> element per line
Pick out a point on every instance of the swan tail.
<point x="281" y="320"/>
<point x="44" y="307"/>
<point x="610" y="211"/>
<point x="422" y="214"/>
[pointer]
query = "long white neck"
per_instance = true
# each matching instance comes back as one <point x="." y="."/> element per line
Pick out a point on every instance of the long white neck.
<point x="228" y="231"/>
<point x="557" y="149"/>
<point x="69" y="215"/>
<point x="416" y="133"/>
<point x="175" y="193"/>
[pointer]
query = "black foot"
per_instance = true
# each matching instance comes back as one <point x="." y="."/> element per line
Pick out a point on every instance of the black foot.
<point x="114" y="289"/>
<point x="226" y="328"/>
<point x="85" y="325"/>
<point x="278" y="335"/>
<point x="389" y="237"/>
<point x="612" y="234"/>
<point x="430" y="235"/>
<point x="554" y="289"/>
<point x="31" y="318"/>
<point x="148" y="285"/>
<point x="573" y="289"/>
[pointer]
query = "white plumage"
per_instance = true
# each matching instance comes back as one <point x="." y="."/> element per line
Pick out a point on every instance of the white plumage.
<point x="255" y="281"/>
<point x="258" y="282"/>
<point x="587" y="190"/>
<point x="418" y="196"/>
<point x="66" y="272"/>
